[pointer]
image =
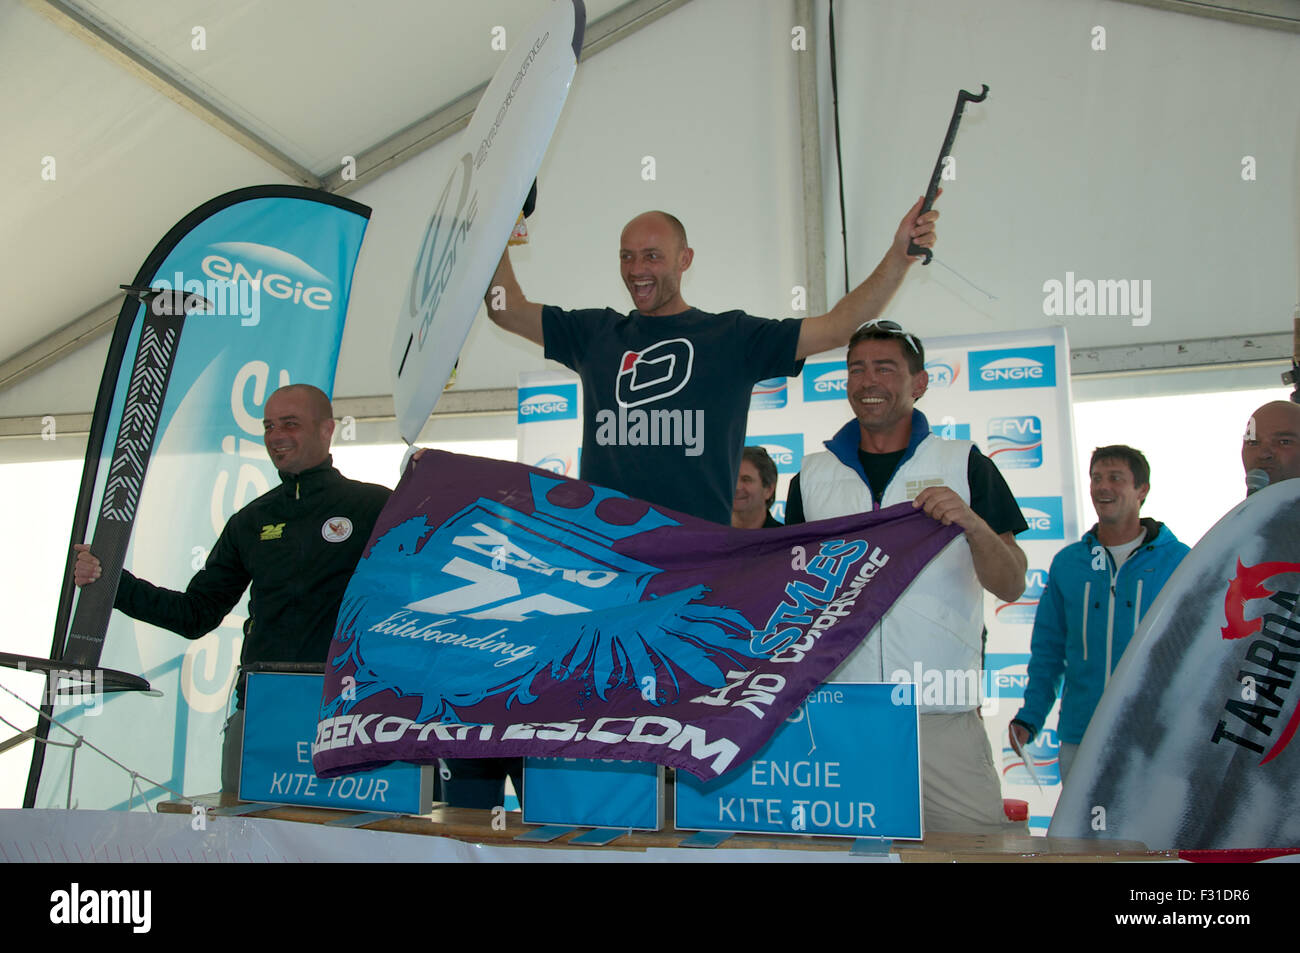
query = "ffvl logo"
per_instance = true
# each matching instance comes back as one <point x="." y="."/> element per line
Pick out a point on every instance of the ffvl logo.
<point x="769" y="394"/>
<point x="1023" y="610"/>
<point x="1016" y="443"/>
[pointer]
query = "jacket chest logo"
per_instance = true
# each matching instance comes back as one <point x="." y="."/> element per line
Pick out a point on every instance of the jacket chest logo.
<point x="914" y="487"/>
<point x="336" y="529"/>
<point x="272" y="531"/>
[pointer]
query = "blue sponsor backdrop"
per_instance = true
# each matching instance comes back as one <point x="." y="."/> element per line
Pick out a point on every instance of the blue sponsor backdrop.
<point x="280" y="714"/>
<point x="298" y="248"/>
<point x="846" y="764"/>
<point x="785" y="449"/>
<point x="586" y="793"/>
<point x="943" y="374"/>
<point x="1044" y="753"/>
<point x="1005" y="674"/>
<point x="1013" y="367"/>
<point x="769" y="394"/>
<point x="1044" y="515"/>
<point x="825" y="380"/>
<point x="949" y="429"/>
<point x="1023" y="610"/>
<point x="548" y="402"/>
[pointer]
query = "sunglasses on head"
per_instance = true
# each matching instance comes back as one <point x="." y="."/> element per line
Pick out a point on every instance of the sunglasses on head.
<point x="893" y="327"/>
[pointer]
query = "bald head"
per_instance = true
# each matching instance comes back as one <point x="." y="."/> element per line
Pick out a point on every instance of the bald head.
<point x="663" y="219"/>
<point x="298" y="424"/>
<point x="1272" y="441"/>
<point x="652" y="255"/>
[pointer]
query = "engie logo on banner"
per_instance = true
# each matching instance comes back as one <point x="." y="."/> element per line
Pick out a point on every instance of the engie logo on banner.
<point x="1013" y="367"/>
<point x="828" y="380"/>
<point x="1024" y="609"/>
<point x="785" y="449"/>
<point x="769" y="394"/>
<point x="1016" y="443"/>
<point x="548" y="402"/>
<point x="1045" y="516"/>
<point x="1006" y="674"/>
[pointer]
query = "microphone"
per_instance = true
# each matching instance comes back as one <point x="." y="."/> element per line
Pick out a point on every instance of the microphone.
<point x="1256" y="480"/>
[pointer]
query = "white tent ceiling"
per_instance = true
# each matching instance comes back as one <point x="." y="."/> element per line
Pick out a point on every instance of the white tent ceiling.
<point x="143" y="126"/>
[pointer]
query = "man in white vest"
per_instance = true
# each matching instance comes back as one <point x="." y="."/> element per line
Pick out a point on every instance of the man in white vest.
<point x="886" y="456"/>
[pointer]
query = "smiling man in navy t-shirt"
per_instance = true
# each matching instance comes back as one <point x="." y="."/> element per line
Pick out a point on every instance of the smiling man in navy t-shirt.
<point x="666" y="388"/>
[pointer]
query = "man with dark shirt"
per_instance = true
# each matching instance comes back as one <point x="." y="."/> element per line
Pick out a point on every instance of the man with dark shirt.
<point x="888" y="456"/>
<point x="755" y="490"/>
<point x="666" y="388"/>
<point x="297" y="545"/>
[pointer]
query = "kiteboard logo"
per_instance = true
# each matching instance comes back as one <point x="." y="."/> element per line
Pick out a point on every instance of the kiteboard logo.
<point x="1016" y="442"/>
<point x="769" y="394"/>
<point x="336" y="529"/>
<point x="828" y="380"/>
<point x="548" y="402"/>
<point x="1012" y="368"/>
<point x="942" y="373"/>
<point x="444" y="236"/>
<point x="654" y="373"/>
<point x="1273" y="651"/>
<point x="786" y="450"/>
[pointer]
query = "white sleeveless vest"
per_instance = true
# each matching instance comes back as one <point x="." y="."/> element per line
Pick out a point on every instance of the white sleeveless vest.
<point x="932" y="633"/>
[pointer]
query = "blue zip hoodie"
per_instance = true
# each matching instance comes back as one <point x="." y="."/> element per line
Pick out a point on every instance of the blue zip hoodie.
<point x="1086" y="617"/>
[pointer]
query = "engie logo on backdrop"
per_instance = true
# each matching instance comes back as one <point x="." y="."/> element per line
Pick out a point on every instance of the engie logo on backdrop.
<point x="1024" y="609"/>
<point x="828" y="380"/>
<point x="785" y="449"/>
<point x="1013" y="367"/>
<point x="548" y="402"/>
<point x="1016" y="443"/>
<point x="1006" y="674"/>
<point x="942" y="373"/>
<point x="769" y="394"/>
<point x="1045" y="516"/>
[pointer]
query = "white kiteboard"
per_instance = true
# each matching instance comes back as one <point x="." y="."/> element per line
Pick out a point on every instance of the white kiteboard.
<point x="503" y="146"/>
<point x="1193" y="745"/>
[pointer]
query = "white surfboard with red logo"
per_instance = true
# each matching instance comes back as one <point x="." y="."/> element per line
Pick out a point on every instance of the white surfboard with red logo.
<point x="1194" y="744"/>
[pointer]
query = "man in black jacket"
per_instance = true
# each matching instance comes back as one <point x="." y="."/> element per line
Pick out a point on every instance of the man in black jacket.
<point x="297" y="546"/>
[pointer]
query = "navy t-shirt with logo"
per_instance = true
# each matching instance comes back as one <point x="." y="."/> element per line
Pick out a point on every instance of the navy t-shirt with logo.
<point x="665" y="399"/>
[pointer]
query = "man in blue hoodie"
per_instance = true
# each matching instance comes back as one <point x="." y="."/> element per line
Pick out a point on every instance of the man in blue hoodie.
<point x="1097" y="591"/>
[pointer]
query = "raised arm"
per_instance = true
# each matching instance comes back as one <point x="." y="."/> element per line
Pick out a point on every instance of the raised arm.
<point x="868" y="300"/>
<point x="507" y="306"/>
